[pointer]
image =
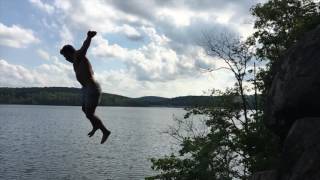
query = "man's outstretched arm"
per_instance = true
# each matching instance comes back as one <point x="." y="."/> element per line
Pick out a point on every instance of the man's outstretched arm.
<point x="83" y="50"/>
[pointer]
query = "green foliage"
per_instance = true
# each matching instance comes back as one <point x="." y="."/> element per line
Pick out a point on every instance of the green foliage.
<point x="224" y="149"/>
<point x="279" y="24"/>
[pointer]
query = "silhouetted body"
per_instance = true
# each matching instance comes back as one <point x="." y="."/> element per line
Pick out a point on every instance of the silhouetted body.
<point x="91" y="91"/>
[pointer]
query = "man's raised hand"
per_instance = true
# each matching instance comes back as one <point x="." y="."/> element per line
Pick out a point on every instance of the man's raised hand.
<point x="83" y="50"/>
<point x="91" y="34"/>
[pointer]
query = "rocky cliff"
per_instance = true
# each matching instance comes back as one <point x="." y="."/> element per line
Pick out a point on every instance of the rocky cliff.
<point x="293" y="111"/>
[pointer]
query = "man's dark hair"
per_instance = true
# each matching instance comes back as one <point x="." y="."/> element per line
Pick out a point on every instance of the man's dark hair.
<point x="67" y="48"/>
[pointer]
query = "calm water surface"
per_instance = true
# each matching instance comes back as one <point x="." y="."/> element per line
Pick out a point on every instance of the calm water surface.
<point x="50" y="142"/>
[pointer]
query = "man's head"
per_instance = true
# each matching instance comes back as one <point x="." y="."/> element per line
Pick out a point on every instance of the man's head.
<point x="68" y="52"/>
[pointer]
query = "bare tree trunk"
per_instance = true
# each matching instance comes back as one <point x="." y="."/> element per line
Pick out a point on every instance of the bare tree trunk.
<point x="255" y="88"/>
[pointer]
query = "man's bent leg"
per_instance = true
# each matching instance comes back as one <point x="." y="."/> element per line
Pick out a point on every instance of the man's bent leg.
<point x="97" y="124"/>
<point x="93" y="99"/>
<point x="92" y="123"/>
<point x="90" y="115"/>
<point x="85" y="103"/>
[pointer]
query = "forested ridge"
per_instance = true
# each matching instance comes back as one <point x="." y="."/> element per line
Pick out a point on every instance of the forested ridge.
<point x="72" y="97"/>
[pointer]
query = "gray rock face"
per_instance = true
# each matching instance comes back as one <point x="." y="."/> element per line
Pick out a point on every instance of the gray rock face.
<point x="265" y="175"/>
<point x="301" y="151"/>
<point x="293" y="111"/>
<point x="300" y="157"/>
<point x="295" y="89"/>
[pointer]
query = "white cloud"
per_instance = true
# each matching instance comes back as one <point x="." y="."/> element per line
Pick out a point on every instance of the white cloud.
<point x="129" y="32"/>
<point x="178" y="17"/>
<point x="55" y="74"/>
<point x="154" y="36"/>
<point x="155" y="61"/>
<point x="16" y="75"/>
<point x="65" y="36"/>
<point x="180" y="21"/>
<point x="100" y="16"/>
<point x="16" y="36"/>
<point x="43" y="6"/>
<point x="43" y="54"/>
<point x="122" y="82"/>
<point x="102" y="48"/>
<point x="62" y="4"/>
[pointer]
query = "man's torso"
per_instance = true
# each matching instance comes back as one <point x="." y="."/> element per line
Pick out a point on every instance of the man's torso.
<point x="83" y="70"/>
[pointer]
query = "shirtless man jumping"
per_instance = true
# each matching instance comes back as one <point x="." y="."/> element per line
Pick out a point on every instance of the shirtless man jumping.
<point x="91" y="90"/>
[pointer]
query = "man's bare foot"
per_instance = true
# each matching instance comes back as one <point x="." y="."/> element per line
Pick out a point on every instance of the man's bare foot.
<point x="91" y="133"/>
<point x="105" y="136"/>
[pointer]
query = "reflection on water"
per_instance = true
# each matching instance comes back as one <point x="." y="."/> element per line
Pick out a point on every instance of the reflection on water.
<point x="50" y="142"/>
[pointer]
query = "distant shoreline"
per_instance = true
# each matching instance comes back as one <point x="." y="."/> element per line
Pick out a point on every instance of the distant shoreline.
<point x="178" y="107"/>
<point x="63" y="96"/>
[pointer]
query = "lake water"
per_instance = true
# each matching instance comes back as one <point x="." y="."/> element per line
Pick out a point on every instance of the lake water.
<point x="50" y="142"/>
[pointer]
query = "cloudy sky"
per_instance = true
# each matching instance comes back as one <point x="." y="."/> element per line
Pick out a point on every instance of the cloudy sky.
<point x="143" y="47"/>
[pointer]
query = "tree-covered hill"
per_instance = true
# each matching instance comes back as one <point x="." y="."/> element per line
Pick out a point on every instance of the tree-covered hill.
<point x="72" y="96"/>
